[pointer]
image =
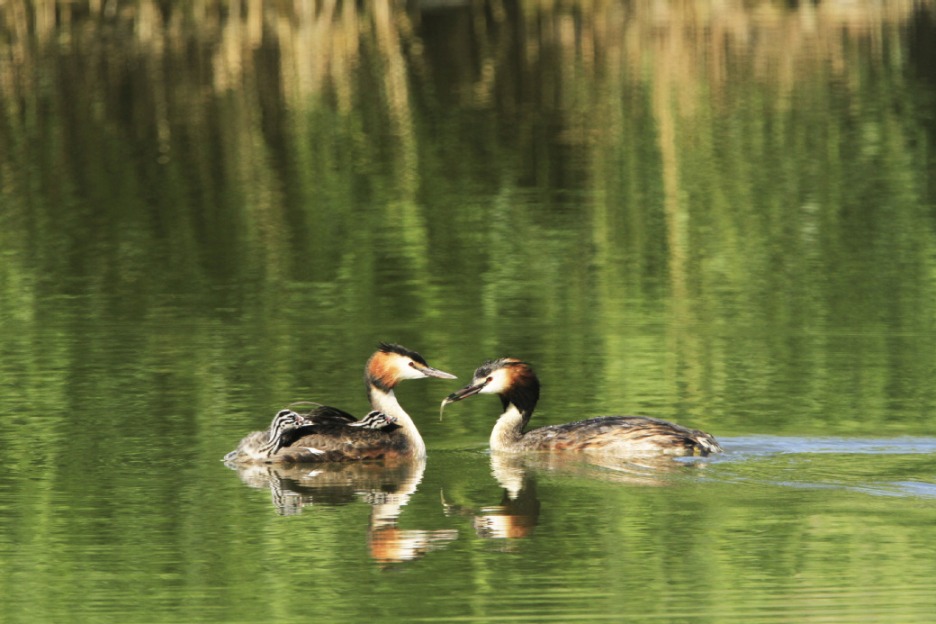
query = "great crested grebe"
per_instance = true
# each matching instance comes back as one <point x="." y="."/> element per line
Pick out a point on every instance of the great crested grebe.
<point x="518" y="388"/>
<point x="332" y="435"/>
<point x="259" y="445"/>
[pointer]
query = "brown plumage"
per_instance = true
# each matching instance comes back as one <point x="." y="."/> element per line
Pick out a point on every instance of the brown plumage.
<point x="518" y="387"/>
<point x="333" y="435"/>
<point x="337" y="443"/>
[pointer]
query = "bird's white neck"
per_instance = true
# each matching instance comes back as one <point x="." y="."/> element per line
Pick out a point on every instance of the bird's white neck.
<point x="508" y="429"/>
<point x="385" y="401"/>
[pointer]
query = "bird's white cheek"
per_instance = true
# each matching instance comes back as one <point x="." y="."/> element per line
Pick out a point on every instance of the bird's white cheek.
<point x="405" y="371"/>
<point x="497" y="385"/>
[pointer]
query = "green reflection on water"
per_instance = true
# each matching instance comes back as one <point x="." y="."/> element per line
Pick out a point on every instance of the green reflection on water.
<point x="207" y="214"/>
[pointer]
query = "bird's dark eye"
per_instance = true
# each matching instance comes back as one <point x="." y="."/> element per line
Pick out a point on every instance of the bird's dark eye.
<point x="412" y="364"/>
<point x="489" y="380"/>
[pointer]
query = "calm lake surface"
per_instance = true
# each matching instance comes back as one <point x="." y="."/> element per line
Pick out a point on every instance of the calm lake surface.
<point x="722" y="214"/>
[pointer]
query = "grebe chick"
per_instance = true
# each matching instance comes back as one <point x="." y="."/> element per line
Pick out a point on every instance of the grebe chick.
<point x="327" y="415"/>
<point x="334" y="435"/>
<point x="518" y="388"/>
<point x="259" y="445"/>
<point x="375" y="420"/>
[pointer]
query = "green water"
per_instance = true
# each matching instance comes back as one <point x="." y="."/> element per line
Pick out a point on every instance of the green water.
<point x="721" y="214"/>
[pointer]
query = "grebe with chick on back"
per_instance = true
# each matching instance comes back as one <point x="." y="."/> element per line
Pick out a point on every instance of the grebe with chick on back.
<point x="518" y="387"/>
<point x="332" y="435"/>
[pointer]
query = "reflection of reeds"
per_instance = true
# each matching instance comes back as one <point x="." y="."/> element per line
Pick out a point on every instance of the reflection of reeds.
<point x="582" y="56"/>
<point x="344" y="144"/>
<point x="329" y="84"/>
<point x="696" y="42"/>
<point x="321" y="43"/>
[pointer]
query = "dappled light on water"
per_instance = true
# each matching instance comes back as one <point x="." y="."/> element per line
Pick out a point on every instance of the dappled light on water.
<point x="716" y="213"/>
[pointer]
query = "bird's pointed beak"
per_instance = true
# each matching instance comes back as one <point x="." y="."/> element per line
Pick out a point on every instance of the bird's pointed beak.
<point x="428" y="371"/>
<point x="464" y="393"/>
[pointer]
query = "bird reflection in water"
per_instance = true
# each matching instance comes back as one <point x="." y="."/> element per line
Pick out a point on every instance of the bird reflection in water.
<point x="386" y="488"/>
<point x="649" y="471"/>
<point x="518" y="512"/>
